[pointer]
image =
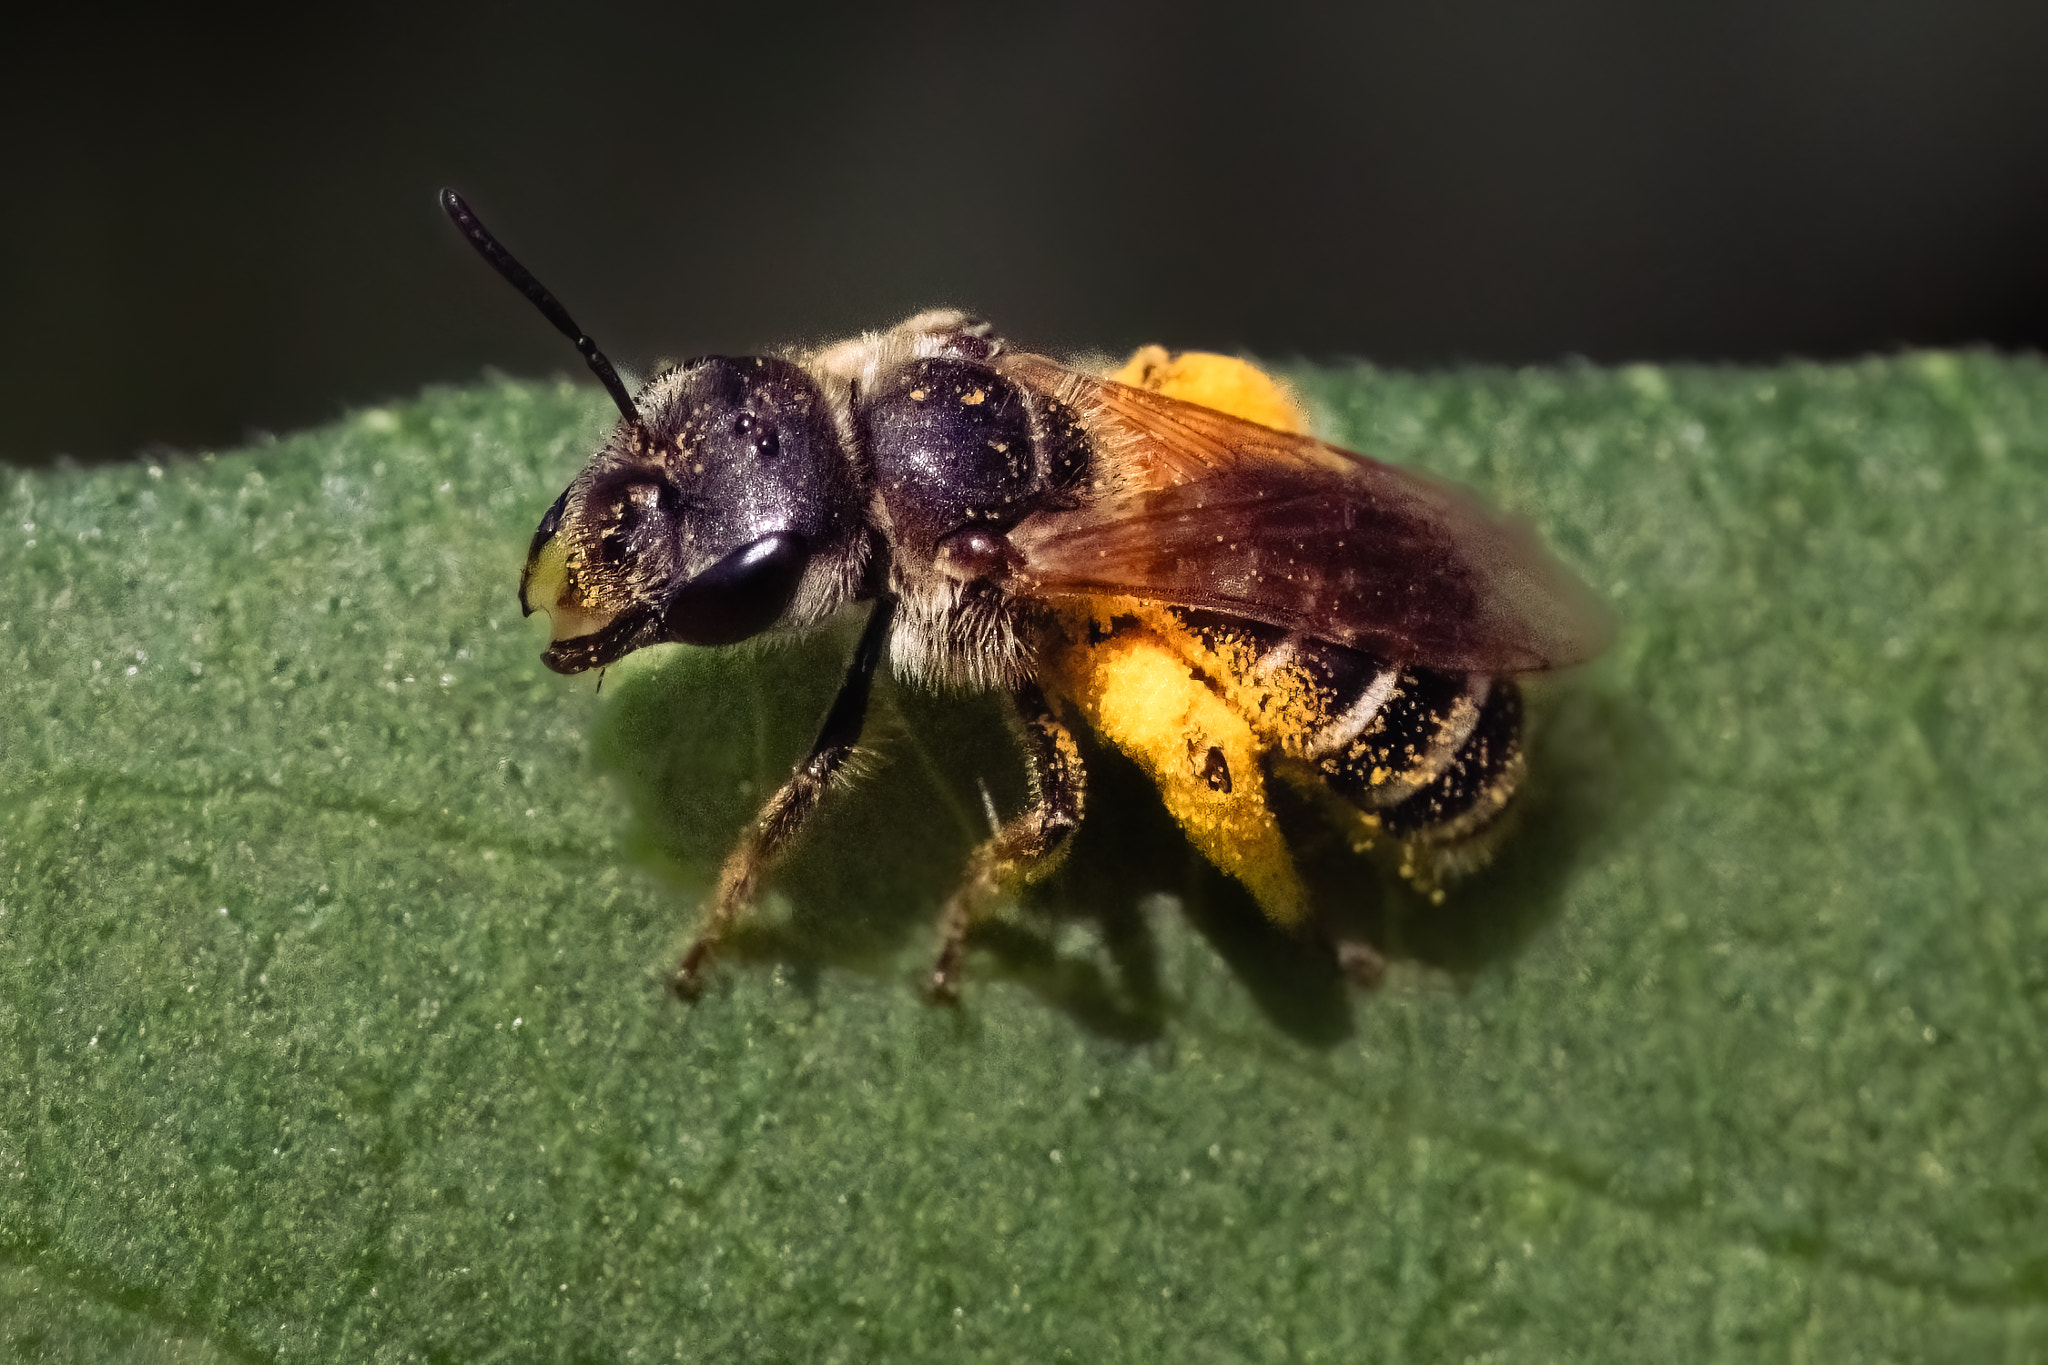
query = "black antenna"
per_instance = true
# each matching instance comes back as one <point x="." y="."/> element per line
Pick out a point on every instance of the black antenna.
<point x="551" y="308"/>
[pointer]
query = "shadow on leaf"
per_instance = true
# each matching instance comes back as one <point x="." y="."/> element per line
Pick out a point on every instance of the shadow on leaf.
<point x="1597" y="769"/>
<point x="700" y="737"/>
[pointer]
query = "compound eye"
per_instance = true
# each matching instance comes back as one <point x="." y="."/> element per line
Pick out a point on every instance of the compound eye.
<point x="549" y="524"/>
<point x="741" y="595"/>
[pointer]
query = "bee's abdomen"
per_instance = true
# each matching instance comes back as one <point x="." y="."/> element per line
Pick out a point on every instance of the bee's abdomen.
<point x="1432" y="754"/>
<point x="1479" y="779"/>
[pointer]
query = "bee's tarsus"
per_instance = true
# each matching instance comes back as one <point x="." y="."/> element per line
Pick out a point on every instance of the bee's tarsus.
<point x="944" y="986"/>
<point x="686" y="982"/>
<point x="1362" y="964"/>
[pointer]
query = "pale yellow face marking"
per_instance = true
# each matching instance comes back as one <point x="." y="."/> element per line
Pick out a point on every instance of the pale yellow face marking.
<point x="550" y="587"/>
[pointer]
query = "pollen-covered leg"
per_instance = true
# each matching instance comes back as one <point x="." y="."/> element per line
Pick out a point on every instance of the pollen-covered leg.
<point x="1139" y="693"/>
<point x="1027" y="846"/>
<point x="783" y="817"/>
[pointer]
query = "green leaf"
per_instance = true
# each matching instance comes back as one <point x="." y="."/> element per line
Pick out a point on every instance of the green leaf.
<point x="332" y="926"/>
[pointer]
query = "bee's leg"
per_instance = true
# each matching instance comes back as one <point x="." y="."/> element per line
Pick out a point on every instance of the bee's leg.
<point x="782" y="818"/>
<point x="1361" y="961"/>
<point x="1026" y="846"/>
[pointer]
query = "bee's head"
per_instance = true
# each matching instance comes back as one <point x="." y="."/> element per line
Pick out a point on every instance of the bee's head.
<point x="722" y="505"/>
<point x="698" y="519"/>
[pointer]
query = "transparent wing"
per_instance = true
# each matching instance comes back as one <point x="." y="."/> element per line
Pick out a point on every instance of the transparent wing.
<point x="1198" y="508"/>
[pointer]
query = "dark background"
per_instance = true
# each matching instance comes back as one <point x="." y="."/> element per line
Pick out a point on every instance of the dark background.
<point x="208" y="229"/>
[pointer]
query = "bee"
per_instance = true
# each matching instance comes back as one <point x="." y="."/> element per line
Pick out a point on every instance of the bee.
<point x="1164" y="555"/>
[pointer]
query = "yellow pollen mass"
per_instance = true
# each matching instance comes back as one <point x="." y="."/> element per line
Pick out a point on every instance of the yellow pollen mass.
<point x="1136" y="691"/>
<point x="1194" y="717"/>
<point x="1222" y="382"/>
